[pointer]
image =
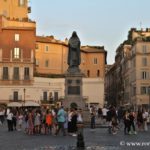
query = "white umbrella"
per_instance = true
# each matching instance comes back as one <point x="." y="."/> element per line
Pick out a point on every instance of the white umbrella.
<point x="31" y="103"/>
<point x="127" y="104"/>
<point x="14" y="104"/>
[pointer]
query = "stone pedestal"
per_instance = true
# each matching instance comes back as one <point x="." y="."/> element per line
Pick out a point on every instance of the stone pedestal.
<point x="73" y="89"/>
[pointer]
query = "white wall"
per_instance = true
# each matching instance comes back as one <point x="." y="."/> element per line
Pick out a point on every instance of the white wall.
<point x="93" y="89"/>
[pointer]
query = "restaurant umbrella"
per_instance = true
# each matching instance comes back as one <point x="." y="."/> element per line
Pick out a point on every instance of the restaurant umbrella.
<point x="14" y="104"/>
<point x="31" y="104"/>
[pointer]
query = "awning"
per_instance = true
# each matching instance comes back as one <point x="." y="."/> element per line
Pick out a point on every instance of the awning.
<point x="31" y="104"/>
<point x="14" y="104"/>
<point x="127" y="104"/>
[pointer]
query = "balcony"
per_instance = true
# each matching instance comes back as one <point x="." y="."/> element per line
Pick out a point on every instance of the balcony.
<point x="15" y="99"/>
<point x="46" y="102"/>
<point x="18" y="23"/>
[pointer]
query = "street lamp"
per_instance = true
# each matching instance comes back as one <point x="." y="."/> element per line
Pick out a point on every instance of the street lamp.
<point x="149" y="96"/>
<point x="24" y="90"/>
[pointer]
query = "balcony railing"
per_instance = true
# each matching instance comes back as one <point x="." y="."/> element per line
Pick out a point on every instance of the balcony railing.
<point x="47" y="102"/>
<point x="14" y="99"/>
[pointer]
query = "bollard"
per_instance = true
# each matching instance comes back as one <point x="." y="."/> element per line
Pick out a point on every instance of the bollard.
<point x="80" y="138"/>
<point x="80" y="141"/>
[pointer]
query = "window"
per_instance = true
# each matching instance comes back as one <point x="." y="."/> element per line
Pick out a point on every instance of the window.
<point x="46" y="48"/>
<point x="21" y="2"/>
<point x="134" y="91"/>
<point x="144" y="90"/>
<point x="56" y="96"/>
<point x="37" y="62"/>
<point x="144" y="49"/>
<point x="15" y="96"/>
<point x="45" y="96"/>
<point x="88" y="73"/>
<point x="5" y="73"/>
<point x="50" y="96"/>
<point x="98" y="73"/>
<point x="144" y="61"/>
<point x="26" y="73"/>
<point x="17" y="37"/>
<point x="16" y="53"/>
<point x="95" y="60"/>
<point x="145" y="75"/>
<point x="46" y="63"/>
<point x="16" y="73"/>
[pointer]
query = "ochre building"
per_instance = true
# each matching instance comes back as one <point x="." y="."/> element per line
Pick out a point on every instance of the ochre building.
<point x="15" y="9"/>
<point x="51" y="58"/>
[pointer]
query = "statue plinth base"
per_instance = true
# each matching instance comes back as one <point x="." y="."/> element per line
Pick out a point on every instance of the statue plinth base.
<point x="73" y="88"/>
<point x="73" y="70"/>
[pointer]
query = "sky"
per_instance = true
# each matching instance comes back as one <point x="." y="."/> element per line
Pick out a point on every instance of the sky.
<point x="97" y="22"/>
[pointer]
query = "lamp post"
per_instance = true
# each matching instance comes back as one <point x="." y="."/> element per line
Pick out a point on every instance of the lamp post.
<point x="24" y="90"/>
<point x="149" y="96"/>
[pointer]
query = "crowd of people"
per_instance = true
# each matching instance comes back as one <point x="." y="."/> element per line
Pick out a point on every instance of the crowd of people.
<point x="43" y="120"/>
<point x="52" y="120"/>
<point x="133" y="120"/>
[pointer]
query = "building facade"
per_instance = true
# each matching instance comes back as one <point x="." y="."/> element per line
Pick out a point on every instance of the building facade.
<point x="15" y="9"/>
<point x="51" y="58"/>
<point x="23" y="55"/>
<point x="46" y="91"/>
<point x="17" y="48"/>
<point x="16" y="51"/>
<point x="132" y="68"/>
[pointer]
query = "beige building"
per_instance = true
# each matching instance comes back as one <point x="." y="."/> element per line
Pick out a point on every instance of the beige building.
<point x="132" y="69"/>
<point x="140" y="73"/>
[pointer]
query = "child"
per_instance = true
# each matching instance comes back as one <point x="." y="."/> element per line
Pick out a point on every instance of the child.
<point x="20" y="121"/>
<point x="48" y="122"/>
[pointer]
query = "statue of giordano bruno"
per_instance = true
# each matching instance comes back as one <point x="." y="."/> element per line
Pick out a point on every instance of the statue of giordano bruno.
<point x="74" y="58"/>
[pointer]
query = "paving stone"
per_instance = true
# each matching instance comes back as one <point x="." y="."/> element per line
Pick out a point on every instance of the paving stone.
<point x="97" y="139"/>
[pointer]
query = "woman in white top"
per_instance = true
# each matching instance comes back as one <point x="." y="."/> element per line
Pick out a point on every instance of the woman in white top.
<point x="20" y="121"/>
<point x="10" y="121"/>
<point x="145" y="117"/>
<point x="37" y="122"/>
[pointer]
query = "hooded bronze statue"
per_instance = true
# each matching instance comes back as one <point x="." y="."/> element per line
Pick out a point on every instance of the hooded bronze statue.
<point x="74" y="58"/>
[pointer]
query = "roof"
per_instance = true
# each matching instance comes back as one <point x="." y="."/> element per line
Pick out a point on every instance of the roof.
<point x="93" y="49"/>
<point x="85" y="49"/>
<point x="49" y="39"/>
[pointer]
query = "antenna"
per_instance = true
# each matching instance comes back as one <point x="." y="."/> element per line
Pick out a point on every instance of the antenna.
<point x="140" y="25"/>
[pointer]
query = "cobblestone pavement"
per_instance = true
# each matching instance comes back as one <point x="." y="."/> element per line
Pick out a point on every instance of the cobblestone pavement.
<point x="98" y="139"/>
